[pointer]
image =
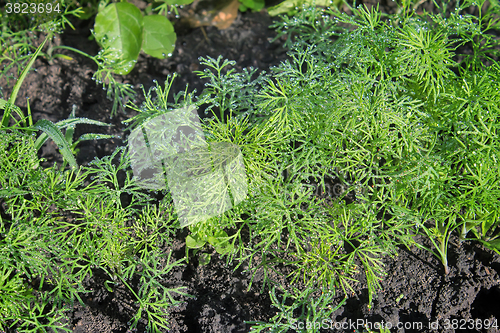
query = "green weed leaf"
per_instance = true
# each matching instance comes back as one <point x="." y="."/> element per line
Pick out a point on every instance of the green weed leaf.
<point x="219" y="241"/>
<point x="159" y="36"/>
<point x="17" y="86"/>
<point x="255" y="5"/>
<point x="55" y="134"/>
<point x="494" y="244"/>
<point x="194" y="242"/>
<point x="118" y="28"/>
<point x="69" y="123"/>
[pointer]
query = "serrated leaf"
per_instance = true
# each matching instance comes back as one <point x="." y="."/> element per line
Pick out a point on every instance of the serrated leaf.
<point x="55" y="134"/>
<point x="67" y="123"/>
<point x="118" y="29"/>
<point x="158" y="36"/>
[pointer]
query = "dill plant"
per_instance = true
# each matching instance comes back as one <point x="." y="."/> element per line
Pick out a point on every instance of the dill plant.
<point x="58" y="226"/>
<point x="389" y="107"/>
<point x="386" y="107"/>
<point x="58" y="229"/>
<point x="407" y="98"/>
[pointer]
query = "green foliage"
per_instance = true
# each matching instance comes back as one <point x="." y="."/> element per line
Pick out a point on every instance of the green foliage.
<point x="69" y="126"/>
<point x="377" y="129"/>
<point x="153" y="297"/>
<point x="19" y="36"/>
<point x="388" y="114"/>
<point x="208" y="232"/>
<point x="292" y="7"/>
<point x="315" y="312"/>
<point x="227" y="91"/>
<point x="118" y="28"/>
<point x="162" y="6"/>
<point x="159" y="37"/>
<point x="60" y="230"/>
<point x="254" y="5"/>
<point x="15" y="16"/>
<point x="51" y="130"/>
<point x="9" y="105"/>
<point x="64" y="142"/>
<point x="121" y="31"/>
<point x="446" y="178"/>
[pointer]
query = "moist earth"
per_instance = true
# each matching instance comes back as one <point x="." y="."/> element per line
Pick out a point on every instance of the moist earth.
<point x="415" y="290"/>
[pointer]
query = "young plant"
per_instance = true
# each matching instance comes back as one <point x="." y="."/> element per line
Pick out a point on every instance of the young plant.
<point x="122" y="31"/>
<point x="28" y="246"/>
<point x="56" y="230"/>
<point x="152" y="297"/>
<point x="19" y="36"/>
<point x="64" y="142"/>
<point x="307" y="312"/>
<point x="381" y="109"/>
<point x="206" y="232"/>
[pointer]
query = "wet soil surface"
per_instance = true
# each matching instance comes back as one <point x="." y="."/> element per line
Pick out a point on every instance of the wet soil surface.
<point x="415" y="290"/>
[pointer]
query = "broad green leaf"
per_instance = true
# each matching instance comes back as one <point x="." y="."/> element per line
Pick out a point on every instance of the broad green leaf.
<point x="220" y="242"/>
<point x="118" y="29"/>
<point x="194" y="242"/>
<point x="255" y="5"/>
<point x="55" y="134"/>
<point x="158" y="36"/>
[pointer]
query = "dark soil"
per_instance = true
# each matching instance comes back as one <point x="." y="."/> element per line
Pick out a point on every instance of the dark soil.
<point x="415" y="289"/>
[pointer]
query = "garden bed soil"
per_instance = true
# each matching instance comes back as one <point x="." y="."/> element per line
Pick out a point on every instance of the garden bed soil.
<point x="414" y="290"/>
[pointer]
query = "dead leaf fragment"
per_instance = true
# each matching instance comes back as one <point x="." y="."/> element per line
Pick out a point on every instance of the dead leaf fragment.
<point x="221" y="18"/>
